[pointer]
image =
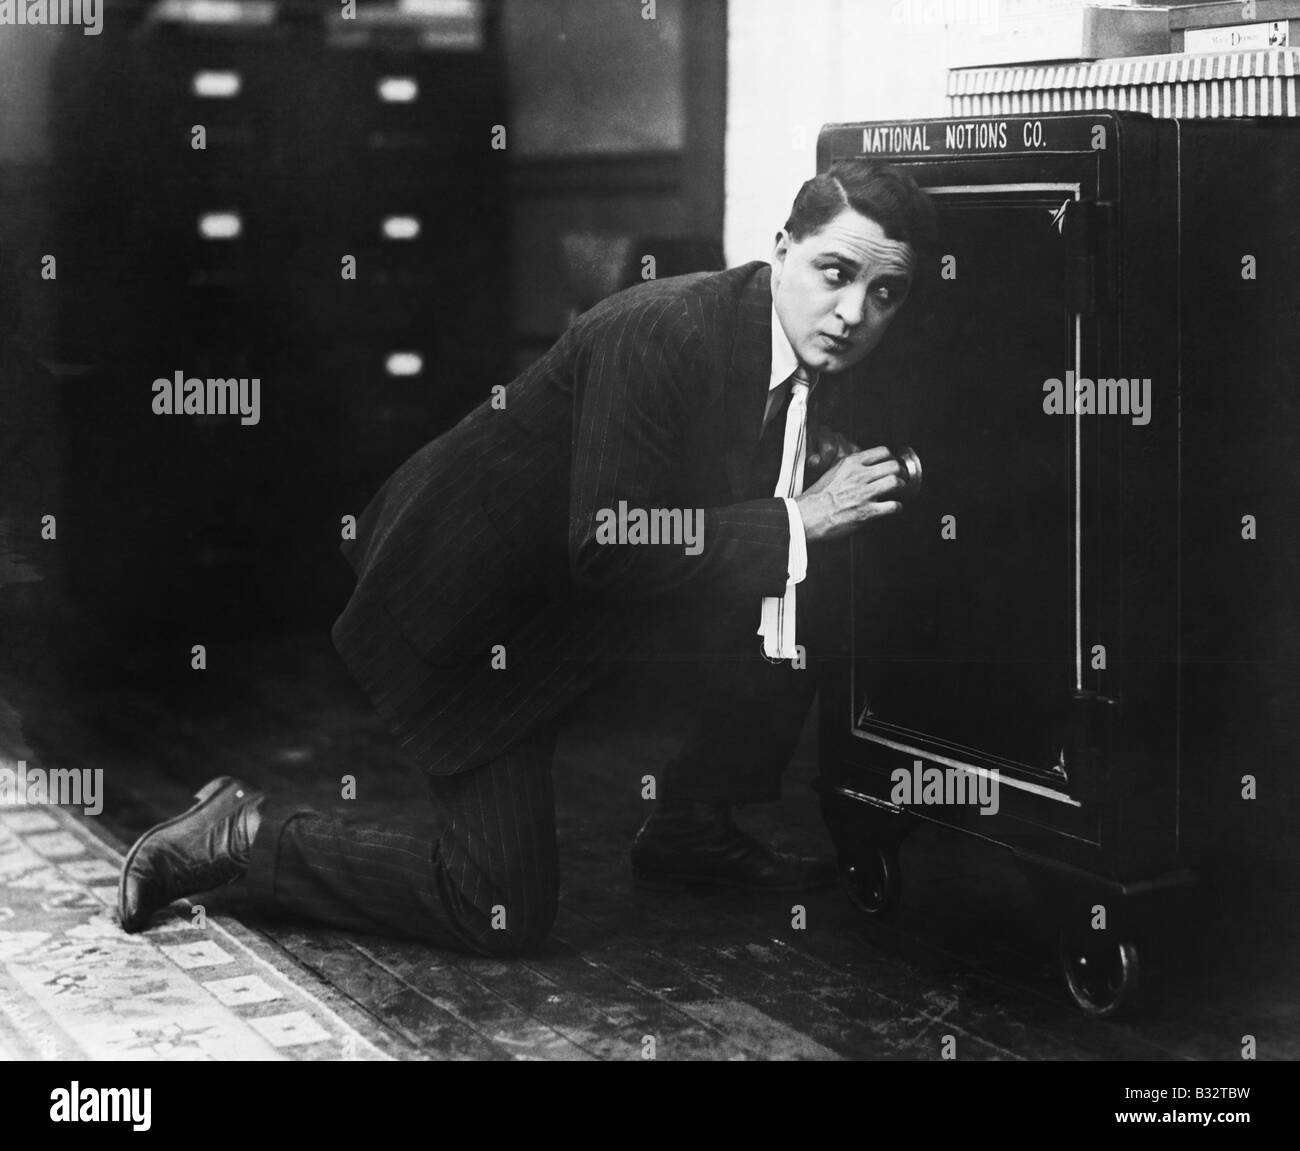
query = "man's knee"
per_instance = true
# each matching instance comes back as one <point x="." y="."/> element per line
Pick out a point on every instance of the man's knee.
<point x="513" y="926"/>
<point x="507" y="909"/>
<point x="495" y="867"/>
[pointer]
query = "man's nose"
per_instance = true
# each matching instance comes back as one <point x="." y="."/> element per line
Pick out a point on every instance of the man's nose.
<point x="851" y="305"/>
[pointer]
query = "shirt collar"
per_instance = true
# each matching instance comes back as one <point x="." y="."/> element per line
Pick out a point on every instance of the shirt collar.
<point x="784" y="360"/>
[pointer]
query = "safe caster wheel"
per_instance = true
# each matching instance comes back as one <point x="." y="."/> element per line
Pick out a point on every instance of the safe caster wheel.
<point x="1101" y="976"/>
<point x="874" y="880"/>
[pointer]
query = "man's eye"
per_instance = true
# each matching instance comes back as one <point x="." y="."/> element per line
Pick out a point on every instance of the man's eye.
<point x="835" y="275"/>
<point x="888" y="295"/>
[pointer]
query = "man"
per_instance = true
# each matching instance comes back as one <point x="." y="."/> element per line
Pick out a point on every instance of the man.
<point x="491" y="592"/>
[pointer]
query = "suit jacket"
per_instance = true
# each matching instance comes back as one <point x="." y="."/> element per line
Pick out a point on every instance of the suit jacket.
<point x="487" y="535"/>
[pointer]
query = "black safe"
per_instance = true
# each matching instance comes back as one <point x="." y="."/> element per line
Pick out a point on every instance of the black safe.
<point x="1091" y="601"/>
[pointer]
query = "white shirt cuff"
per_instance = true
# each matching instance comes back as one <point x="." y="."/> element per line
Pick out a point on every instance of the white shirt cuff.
<point x="798" y="565"/>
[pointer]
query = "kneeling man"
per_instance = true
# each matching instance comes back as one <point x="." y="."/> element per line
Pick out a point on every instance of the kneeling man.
<point x="497" y="578"/>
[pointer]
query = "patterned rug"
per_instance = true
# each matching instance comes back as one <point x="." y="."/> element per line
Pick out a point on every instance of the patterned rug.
<point x="73" y="985"/>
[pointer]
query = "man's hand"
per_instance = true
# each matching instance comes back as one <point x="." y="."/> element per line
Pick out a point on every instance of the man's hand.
<point x="857" y="489"/>
<point x="827" y="447"/>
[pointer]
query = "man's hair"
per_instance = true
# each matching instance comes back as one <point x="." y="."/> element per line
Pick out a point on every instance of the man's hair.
<point x="881" y="193"/>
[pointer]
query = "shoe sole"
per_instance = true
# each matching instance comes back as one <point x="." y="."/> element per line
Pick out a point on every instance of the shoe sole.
<point x="206" y="793"/>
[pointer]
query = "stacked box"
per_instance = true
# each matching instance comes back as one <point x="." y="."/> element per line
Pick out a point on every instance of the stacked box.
<point x="1222" y="84"/>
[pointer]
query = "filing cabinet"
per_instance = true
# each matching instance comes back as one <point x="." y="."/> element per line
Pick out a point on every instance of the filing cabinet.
<point x="227" y="261"/>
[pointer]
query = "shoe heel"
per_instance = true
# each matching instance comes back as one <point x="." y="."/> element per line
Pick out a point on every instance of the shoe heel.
<point x="208" y="790"/>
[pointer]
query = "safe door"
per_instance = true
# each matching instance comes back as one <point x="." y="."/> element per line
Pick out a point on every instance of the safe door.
<point x="971" y="612"/>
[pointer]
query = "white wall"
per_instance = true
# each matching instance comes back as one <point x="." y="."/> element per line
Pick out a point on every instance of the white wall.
<point x="794" y="65"/>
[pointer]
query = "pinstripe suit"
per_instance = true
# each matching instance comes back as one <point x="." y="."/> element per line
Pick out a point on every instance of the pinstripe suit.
<point x="487" y="536"/>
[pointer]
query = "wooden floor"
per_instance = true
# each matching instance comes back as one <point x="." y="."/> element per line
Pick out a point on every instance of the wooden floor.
<point x="702" y="977"/>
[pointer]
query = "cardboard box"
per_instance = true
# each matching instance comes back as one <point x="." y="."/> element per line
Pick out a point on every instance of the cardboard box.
<point x="1073" y="32"/>
<point x="1180" y="85"/>
<point x="1238" y="37"/>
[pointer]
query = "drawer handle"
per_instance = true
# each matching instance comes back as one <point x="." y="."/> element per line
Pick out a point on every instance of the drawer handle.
<point x="220" y="225"/>
<point x="404" y="364"/>
<point x="217" y="85"/>
<point x="257" y="13"/>
<point x="398" y="89"/>
<point x="401" y="227"/>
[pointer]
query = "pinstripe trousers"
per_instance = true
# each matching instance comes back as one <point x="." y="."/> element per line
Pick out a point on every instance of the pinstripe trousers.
<point x="483" y="879"/>
<point x="484" y="876"/>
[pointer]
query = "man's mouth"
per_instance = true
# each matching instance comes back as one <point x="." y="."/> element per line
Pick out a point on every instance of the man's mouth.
<point x="837" y="343"/>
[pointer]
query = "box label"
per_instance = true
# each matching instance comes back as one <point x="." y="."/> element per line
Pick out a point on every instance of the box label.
<point x="1274" y="34"/>
<point x="971" y="136"/>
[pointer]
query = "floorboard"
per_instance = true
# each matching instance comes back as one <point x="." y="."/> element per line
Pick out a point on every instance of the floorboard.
<point x="629" y="972"/>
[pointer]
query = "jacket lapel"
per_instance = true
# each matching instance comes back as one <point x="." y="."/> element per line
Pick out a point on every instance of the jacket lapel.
<point x="748" y="376"/>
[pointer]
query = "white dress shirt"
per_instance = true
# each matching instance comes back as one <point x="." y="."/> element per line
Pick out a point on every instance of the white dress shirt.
<point x="784" y="363"/>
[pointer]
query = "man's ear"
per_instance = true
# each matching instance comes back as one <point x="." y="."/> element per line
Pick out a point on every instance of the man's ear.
<point x="781" y="246"/>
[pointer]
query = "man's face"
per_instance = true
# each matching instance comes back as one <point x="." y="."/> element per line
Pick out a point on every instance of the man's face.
<point x="837" y="290"/>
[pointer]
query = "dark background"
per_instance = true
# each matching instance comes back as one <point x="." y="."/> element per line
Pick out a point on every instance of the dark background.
<point x="174" y="528"/>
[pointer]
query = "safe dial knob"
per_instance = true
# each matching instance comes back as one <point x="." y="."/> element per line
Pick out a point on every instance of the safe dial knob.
<point x="911" y="471"/>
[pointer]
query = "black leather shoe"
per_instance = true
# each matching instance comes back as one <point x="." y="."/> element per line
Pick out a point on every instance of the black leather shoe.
<point x="198" y="850"/>
<point x="697" y="845"/>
